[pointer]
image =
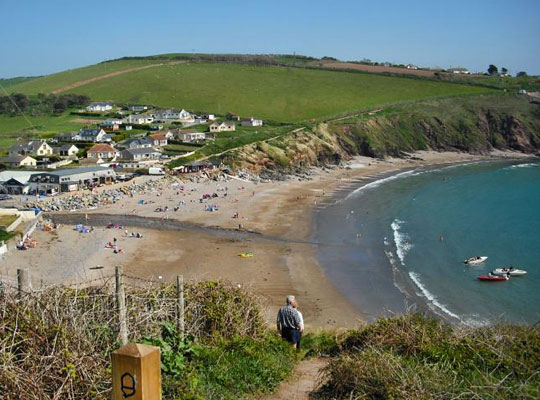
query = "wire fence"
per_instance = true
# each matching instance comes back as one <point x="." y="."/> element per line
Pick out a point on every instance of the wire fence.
<point x="56" y="341"/>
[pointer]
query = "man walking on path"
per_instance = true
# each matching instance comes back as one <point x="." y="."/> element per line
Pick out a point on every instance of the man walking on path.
<point x="289" y="322"/>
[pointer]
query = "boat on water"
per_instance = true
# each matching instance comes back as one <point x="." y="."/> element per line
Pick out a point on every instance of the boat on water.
<point x="475" y="260"/>
<point x="493" y="278"/>
<point x="509" y="271"/>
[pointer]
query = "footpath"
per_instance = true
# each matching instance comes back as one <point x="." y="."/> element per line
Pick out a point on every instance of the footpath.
<point x="302" y="383"/>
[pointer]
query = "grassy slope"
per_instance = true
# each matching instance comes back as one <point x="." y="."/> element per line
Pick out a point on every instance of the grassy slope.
<point x="276" y="93"/>
<point x="7" y="83"/>
<point x="284" y="94"/>
<point x="47" y="84"/>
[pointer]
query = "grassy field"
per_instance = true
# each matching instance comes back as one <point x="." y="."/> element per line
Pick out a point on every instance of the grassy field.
<point x="7" y="83"/>
<point x="275" y="93"/>
<point x="47" y="84"/>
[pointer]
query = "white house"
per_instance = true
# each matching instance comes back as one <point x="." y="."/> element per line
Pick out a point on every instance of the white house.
<point x="190" y="136"/>
<point x="161" y="139"/>
<point x="92" y="135"/>
<point x="18" y="161"/>
<point x="252" y="122"/>
<point x="172" y="115"/>
<point x="101" y="151"/>
<point x="100" y="106"/>
<point x="222" y="127"/>
<point x="33" y="147"/>
<point x="140" y="154"/>
<point x="459" y="70"/>
<point x="136" y="108"/>
<point x="66" y="150"/>
<point x="139" y="119"/>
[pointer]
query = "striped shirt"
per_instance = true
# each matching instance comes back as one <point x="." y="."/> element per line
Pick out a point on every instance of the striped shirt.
<point x="288" y="317"/>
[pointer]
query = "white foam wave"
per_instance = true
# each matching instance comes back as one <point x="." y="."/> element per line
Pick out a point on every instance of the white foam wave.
<point x="403" y="246"/>
<point x="379" y="182"/>
<point x="431" y="297"/>
<point x="528" y="165"/>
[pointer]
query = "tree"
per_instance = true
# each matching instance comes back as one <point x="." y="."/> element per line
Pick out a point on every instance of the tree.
<point x="492" y="70"/>
<point x="521" y="74"/>
<point x="504" y="70"/>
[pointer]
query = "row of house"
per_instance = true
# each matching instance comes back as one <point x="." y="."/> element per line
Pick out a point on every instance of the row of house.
<point x="105" y="152"/>
<point x="22" y="154"/>
<point x="50" y="182"/>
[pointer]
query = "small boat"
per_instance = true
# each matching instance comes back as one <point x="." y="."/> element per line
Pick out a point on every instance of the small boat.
<point x="509" y="271"/>
<point x="246" y="254"/>
<point x="475" y="260"/>
<point x="493" y="278"/>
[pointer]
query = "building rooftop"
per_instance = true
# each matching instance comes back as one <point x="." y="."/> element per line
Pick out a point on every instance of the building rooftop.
<point x="74" y="171"/>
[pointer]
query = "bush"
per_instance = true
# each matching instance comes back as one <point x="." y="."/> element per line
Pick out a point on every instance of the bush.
<point x="57" y="342"/>
<point x="418" y="357"/>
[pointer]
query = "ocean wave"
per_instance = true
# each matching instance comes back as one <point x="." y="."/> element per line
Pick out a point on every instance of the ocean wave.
<point x="379" y="182"/>
<point x="431" y="297"/>
<point x="527" y="165"/>
<point x="403" y="246"/>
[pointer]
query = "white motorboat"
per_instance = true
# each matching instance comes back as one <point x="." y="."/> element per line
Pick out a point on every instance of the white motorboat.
<point x="475" y="260"/>
<point x="509" y="271"/>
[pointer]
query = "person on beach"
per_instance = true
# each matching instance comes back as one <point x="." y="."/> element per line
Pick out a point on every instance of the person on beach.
<point x="288" y="322"/>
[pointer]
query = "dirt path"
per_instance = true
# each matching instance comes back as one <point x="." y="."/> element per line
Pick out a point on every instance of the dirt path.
<point x="304" y="382"/>
<point x="109" y="75"/>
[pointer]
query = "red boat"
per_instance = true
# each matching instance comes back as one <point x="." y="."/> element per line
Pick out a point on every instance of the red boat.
<point x="491" y="277"/>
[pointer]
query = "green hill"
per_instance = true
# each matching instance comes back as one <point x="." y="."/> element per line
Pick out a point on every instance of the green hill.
<point x="270" y="92"/>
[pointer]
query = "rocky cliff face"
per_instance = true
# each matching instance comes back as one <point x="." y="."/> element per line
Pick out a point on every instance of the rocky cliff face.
<point x="474" y="125"/>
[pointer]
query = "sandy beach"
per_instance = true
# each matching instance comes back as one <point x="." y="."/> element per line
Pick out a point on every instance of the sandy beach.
<point x="279" y="212"/>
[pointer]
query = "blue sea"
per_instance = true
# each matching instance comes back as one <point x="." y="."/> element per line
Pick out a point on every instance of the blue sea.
<point x="398" y="243"/>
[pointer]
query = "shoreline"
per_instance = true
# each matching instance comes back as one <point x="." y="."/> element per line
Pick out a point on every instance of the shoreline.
<point x="277" y="221"/>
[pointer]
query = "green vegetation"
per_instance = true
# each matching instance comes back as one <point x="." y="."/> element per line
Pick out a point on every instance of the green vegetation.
<point x="175" y="149"/>
<point x="473" y="124"/>
<point x="46" y="84"/>
<point x="511" y="84"/>
<point x="19" y="103"/>
<point x="225" y="369"/>
<point x="12" y="127"/>
<point x="225" y="141"/>
<point x="5" y="236"/>
<point x="58" y="341"/>
<point x="413" y="357"/>
<point x="268" y="92"/>
<point x="7" y="83"/>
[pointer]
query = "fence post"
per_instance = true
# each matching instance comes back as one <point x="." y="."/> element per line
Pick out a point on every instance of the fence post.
<point x="121" y="306"/>
<point x="23" y="281"/>
<point x="180" y="324"/>
<point x="136" y="373"/>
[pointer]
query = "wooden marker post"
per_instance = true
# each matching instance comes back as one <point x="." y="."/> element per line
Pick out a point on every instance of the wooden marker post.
<point x="23" y="281"/>
<point x="136" y="373"/>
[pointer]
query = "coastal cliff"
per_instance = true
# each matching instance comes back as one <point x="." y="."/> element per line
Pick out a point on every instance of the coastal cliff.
<point x="475" y="125"/>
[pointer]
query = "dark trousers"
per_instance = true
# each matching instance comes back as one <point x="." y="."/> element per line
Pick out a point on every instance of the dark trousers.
<point x="292" y="335"/>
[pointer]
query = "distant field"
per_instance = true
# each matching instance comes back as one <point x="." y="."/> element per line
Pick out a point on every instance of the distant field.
<point x="42" y="124"/>
<point x="379" y="69"/>
<point x="276" y="93"/>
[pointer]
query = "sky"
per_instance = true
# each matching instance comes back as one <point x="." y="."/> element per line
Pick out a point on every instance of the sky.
<point x="41" y="37"/>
